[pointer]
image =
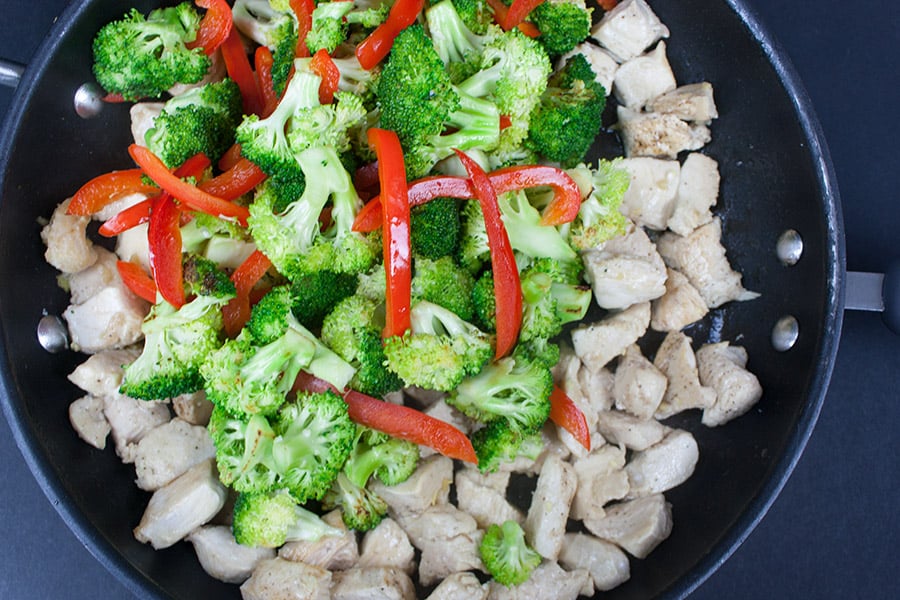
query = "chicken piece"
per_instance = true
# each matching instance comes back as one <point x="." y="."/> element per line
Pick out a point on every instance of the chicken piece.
<point x="599" y="389"/>
<point x="598" y="343"/>
<point x="428" y="486"/>
<point x="460" y="586"/>
<point x="448" y="539"/>
<point x="664" y="465"/>
<point x="545" y="524"/>
<point x="130" y="420"/>
<point x="497" y="481"/>
<point x="637" y="526"/>
<point x="485" y="504"/>
<point x="698" y="191"/>
<point x="659" y="135"/>
<point x="623" y="429"/>
<point x="692" y="102"/>
<point x="332" y="552"/>
<point x="601" y="478"/>
<point x="675" y="358"/>
<point x="680" y="306"/>
<point x="701" y="257"/>
<point x="723" y="368"/>
<point x="194" y="408"/>
<point x="603" y="64"/>
<point x="446" y="413"/>
<point x="131" y="246"/>
<point x="169" y="450"/>
<point x="639" y="385"/>
<point x="89" y="282"/>
<point x="607" y="564"/>
<point x="101" y="374"/>
<point x="565" y="375"/>
<point x="627" y="270"/>
<point x="373" y="583"/>
<point x="143" y="114"/>
<point x="86" y="417"/>
<point x="650" y="197"/>
<point x="629" y="29"/>
<point x="222" y="557"/>
<point x="177" y="509"/>
<point x="280" y="579"/>
<point x="108" y="320"/>
<point x="387" y="546"/>
<point x="547" y="582"/>
<point x="68" y="247"/>
<point x="643" y="78"/>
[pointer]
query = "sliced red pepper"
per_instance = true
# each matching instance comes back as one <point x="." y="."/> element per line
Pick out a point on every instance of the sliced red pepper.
<point x="194" y="166"/>
<point x="191" y="196"/>
<point x="264" y="62"/>
<point x="245" y="277"/>
<point x="322" y="65"/>
<point x="215" y="26"/>
<point x="136" y="279"/>
<point x="114" y="99"/>
<point x="164" y="240"/>
<point x="395" y="224"/>
<point x="507" y="286"/>
<point x="106" y="189"/>
<point x="230" y="158"/>
<point x="374" y="48"/>
<point x="565" y="413"/>
<point x="529" y="29"/>
<point x="131" y="217"/>
<point x="608" y="5"/>
<point x="303" y="9"/>
<point x="241" y="178"/>
<point x="517" y="12"/>
<point x="237" y="65"/>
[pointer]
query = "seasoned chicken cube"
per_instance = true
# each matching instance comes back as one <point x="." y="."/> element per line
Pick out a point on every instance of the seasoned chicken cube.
<point x="598" y="388"/>
<point x="692" y="102"/>
<point x="637" y="526"/>
<point x="460" y="586"/>
<point x="639" y="385"/>
<point x="497" y="481"/>
<point x="280" y="579"/>
<point x="428" y="486"/>
<point x="701" y="257"/>
<point x="598" y="343"/>
<point x="130" y="420"/>
<point x="222" y="557"/>
<point x="547" y="582"/>
<point x="169" y="450"/>
<point x="332" y="552"/>
<point x="629" y="29"/>
<point x="680" y="306"/>
<point x="86" y="417"/>
<point x="603" y="64"/>
<point x="108" y="320"/>
<point x="387" y="546"/>
<point x="101" y="374"/>
<point x="68" y="247"/>
<point x="627" y="430"/>
<point x="131" y="246"/>
<point x="601" y="478"/>
<point x="659" y="135"/>
<point x="664" y="465"/>
<point x="545" y="524"/>
<point x="143" y="114"/>
<point x="194" y="408"/>
<point x="698" y="191"/>
<point x="650" y="197"/>
<point x="485" y="504"/>
<point x="372" y="583"/>
<point x="177" y="509"/>
<point x="723" y="368"/>
<point x="607" y="564"/>
<point x="643" y="78"/>
<point x="676" y="359"/>
<point x="89" y="282"/>
<point x="627" y="270"/>
<point x="448" y="539"/>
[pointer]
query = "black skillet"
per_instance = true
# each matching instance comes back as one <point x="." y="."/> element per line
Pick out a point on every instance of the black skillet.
<point x="776" y="176"/>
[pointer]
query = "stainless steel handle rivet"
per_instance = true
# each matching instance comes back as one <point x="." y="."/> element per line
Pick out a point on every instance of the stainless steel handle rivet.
<point x="52" y="334"/>
<point x="88" y="100"/>
<point x="789" y="248"/>
<point x="785" y="333"/>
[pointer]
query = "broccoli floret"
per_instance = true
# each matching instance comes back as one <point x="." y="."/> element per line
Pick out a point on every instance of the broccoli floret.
<point x="474" y="249"/>
<point x="484" y="302"/>
<point x="222" y="241"/>
<point x="355" y="79"/>
<point x="497" y="443"/>
<point x="369" y="14"/>
<point x="453" y="39"/>
<point x="440" y="350"/>
<point x="243" y="450"/>
<point x="316" y="294"/>
<point x="444" y="282"/>
<point x="329" y="27"/>
<point x="476" y="14"/>
<point x="327" y="125"/>
<point x="563" y="24"/>
<point x="271" y="519"/>
<point x="506" y="555"/>
<point x="599" y="218"/>
<point x="548" y="304"/>
<point x="527" y="235"/>
<point x="373" y="285"/>
<point x="140" y="57"/>
<point x="539" y="350"/>
<point x="435" y="228"/>
<point x="272" y="26"/>
<point x="202" y="276"/>
<point x="361" y="508"/>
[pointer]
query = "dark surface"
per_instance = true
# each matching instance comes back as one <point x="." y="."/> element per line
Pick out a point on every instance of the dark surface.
<point x="833" y="531"/>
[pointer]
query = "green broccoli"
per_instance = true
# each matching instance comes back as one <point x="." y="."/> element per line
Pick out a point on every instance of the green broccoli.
<point x="140" y="57"/>
<point x="270" y="24"/>
<point x="435" y="228"/>
<point x="476" y="14"/>
<point x="497" y="443"/>
<point x="549" y="304"/>
<point x="243" y="450"/>
<point x="474" y="250"/>
<point x="270" y="519"/>
<point x="445" y="283"/>
<point x="563" y="24"/>
<point x="355" y="79"/>
<point x="599" y="218"/>
<point x="369" y="14"/>
<point x="329" y="27"/>
<point x="315" y="294"/>
<point x="222" y="241"/>
<point x="484" y="302"/>
<point x="361" y="508"/>
<point x="527" y="235"/>
<point x="506" y="555"/>
<point x="203" y="276"/>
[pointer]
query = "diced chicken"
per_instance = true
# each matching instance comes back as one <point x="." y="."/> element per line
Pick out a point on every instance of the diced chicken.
<point x="108" y="320"/>
<point x="603" y="64"/>
<point x="485" y="504"/>
<point x="547" y="582"/>
<point x="101" y="374"/>
<point x="280" y="579"/>
<point x="607" y="564"/>
<point x="639" y="385"/>
<point x="372" y="584"/>
<point x="698" y="191"/>
<point x="723" y="368"/>
<point x="637" y="526"/>
<point x="497" y="481"/>
<point x="643" y="78"/>
<point x="627" y="430"/>
<point x="68" y="247"/>
<point x="460" y="586"/>
<point x="565" y="375"/>
<point x="680" y="306"/>
<point x="598" y="343"/>
<point x="692" y="102"/>
<point x="448" y="539"/>
<point x="598" y="388"/>
<point x="701" y="257"/>
<point x="142" y="116"/>
<point x="222" y="557"/>
<point x="177" y="509"/>
<point x="131" y="246"/>
<point x="332" y="552"/>
<point x="446" y="413"/>
<point x="627" y="270"/>
<point x="664" y="465"/>
<point x="86" y="417"/>
<point x="168" y="451"/>
<point x="130" y="420"/>
<point x="601" y="478"/>
<point x="629" y="29"/>
<point x="89" y="282"/>
<point x="194" y="408"/>
<point x="675" y="358"/>
<point x="650" y="197"/>
<point x="387" y="546"/>
<point x="428" y="486"/>
<point x="659" y="135"/>
<point x="545" y="524"/>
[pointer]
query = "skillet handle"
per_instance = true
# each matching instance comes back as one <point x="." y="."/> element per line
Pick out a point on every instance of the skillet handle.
<point x="876" y="292"/>
<point x="10" y="73"/>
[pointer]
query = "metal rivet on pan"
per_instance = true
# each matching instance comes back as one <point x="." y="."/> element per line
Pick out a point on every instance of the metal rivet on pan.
<point x="789" y="247"/>
<point x="785" y="333"/>
<point x="88" y="100"/>
<point x="52" y="334"/>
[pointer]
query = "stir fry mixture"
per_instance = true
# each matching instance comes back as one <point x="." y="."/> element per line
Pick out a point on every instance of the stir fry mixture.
<point x="348" y="293"/>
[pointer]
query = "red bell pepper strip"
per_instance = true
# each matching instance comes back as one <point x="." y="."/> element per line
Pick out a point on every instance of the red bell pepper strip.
<point x="517" y="12"/>
<point x="106" y="189"/>
<point x="137" y="280"/>
<point x="374" y="48"/>
<point x="565" y="413"/>
<point x="507" y="286"/>
<point x="215" y="26"/>
<point x="322" y="65"/>
<point x="241" y="178"/>
<point x="245" y="277"/>
<point x="230" y="157"/>
<point x="264" y="61"/>
<point x="189" y="195"/>
<point x="303" y="9"/>
<point x="501" y="11"/>
<point x="237" y="65"/>
<point x="164" y="240"/>
<point x="397" y="252"/>
<point x="608" y="5"/>
<point x="131" y="217"/>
